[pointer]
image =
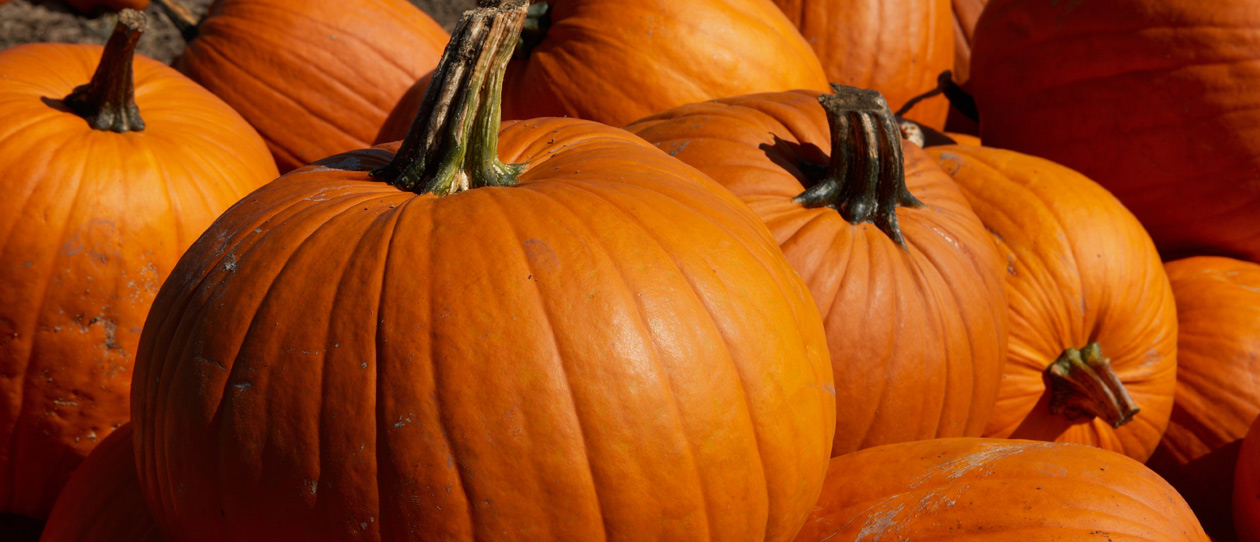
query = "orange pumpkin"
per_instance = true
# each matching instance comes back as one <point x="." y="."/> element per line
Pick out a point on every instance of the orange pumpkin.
<point x="614" y="61"/>
<point x="100" y="204"/>
<point x="916" y="327"/>
<point x="1218" y="383"/>
<point x="1153" y="99"/>
<point x="897" y="48"/>
<point x="589" y="341"/>
<point x="996" y="490"/>
<point x="1093" y="333"/>
<point x="966" y="13"/>
<point x="330" y="73"/>
<point x="1247" y="487"/>
<point x="102" y="502"/>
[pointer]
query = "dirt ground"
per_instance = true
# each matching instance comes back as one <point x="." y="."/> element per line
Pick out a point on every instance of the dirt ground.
<point x="24" y="21"/>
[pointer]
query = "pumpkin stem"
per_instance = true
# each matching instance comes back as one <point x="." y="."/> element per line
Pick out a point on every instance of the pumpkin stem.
<point x="537" y="21"/>
<point x="108" y="101"/>
<point x="865" y="179"/>
<point x="453" y="143"/>
<point x="959" y="98"/>
<point x="179" y="15"/>
<point x="1083" y="384"/>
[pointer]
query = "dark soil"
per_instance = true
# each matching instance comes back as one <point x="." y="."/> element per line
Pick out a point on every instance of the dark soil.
<point x="25" y="21"/>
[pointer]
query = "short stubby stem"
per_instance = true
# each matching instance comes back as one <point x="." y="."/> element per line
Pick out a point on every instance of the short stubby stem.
<point x="453" y="143"/>
<point x="1082" y="384"/>
<point x="865" y="179"/>
<point x="108" y="101"/>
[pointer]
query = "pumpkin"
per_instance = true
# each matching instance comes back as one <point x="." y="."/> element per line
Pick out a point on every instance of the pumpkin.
<point x="579" y="338"/>
<point x="330" y="74"/>
<point x="613" y="61"/>
<point x="897" y="48"/>
<point x="1218" y="382"/>
<point x="1093" y="328"/>
<point x="996" y="490"/>
<point x="1247" y="487"/>
<point x="102" y="501"/>
<point x="106" y="185"/>
<point x="966" y="13"/>
<point x="1153" y="103"/>
<point x="910" y="293"/>
<point x="89" y="6"/>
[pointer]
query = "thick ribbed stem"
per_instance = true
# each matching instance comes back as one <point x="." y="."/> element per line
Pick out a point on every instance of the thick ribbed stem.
<point x="865" y="178"/>
<point x="1083" y="384"/>
<point x="453" y="143"/>
<point x="108" y="101"/>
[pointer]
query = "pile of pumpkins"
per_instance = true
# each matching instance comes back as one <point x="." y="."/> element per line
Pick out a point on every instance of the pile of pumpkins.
<point x="658" y="270"/>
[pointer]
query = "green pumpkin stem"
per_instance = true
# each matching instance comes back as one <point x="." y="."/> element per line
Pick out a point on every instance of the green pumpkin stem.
<point x="865" y="178"/>
<point x="453" y="143"/>
<point x="183" y="19"/>
<point x="108" y="101"/>
<point x="1083" y="384"/>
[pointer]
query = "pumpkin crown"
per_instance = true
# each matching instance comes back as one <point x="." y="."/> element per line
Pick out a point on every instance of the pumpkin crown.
<point x="865" y="179"/>
<point x="108" y="101"/>
<point x="1083" y="384"/>
<point x="452" y="144"/>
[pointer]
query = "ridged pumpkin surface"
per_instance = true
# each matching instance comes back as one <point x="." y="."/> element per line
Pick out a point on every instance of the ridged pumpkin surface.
<point x="91" y="224"/>
<point x="1154" y="100"/>
<point x="966" y="13"/>
<point x="897" y="48"/>
<point x="611" y="349"/>
<point x="102" y="502"/>
<point x="614" y="61"/>
<point x="315" y="77"/>
<point x="917" y="335"/>
<point x="1080" y="269"/>
<point x="1218" y="382"/>
<point x="996" y="490"/>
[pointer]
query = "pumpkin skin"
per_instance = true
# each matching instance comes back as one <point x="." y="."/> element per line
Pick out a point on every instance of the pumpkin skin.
<point x="1182" y="159"/>
<point x="966" y="13"/>
<point x="1080" y="269"/>
<point x="917" y="336"/>
<point x="94" y="221"/>
<point x="1247" y="487"/>
<point x="996" y="490"/>
<point x="1218" y="382"/>
<point x="331" y="73"/>
<point x="102" y="502"/>
<point x="613" y="61"/>
<point x="603" y="350"/>
<point x="897" y="48"/>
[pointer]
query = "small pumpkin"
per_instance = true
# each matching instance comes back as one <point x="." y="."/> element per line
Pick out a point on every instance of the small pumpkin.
<point x="106" y="184"/>
<point x="1092" y="353"/>
<point x="330" y="74"/>
<point x="976" y="489"/>
<point x="1218" y="382"/>
<point x="1152" y="99"/>
<point x="552" y="329"/>
<point x="896" y="48"/>
<point x="1247" y="487"/>
<point x="906" y="279"/>
<point x="102" y="501"/>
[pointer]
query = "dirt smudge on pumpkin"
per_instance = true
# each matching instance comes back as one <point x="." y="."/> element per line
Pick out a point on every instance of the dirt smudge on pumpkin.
<point x="540" y="255"/>
<point x="879" y="524"/>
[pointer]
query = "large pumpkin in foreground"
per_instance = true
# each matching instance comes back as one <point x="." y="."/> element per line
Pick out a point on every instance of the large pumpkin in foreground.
<point x="1093" y="334"/>
<point x="911" y="294"/>
<point x="103" y="192"/>
<point x="992" y="490"/>
<point x="601" y="343"/>
<point x="1153" y="99"/>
